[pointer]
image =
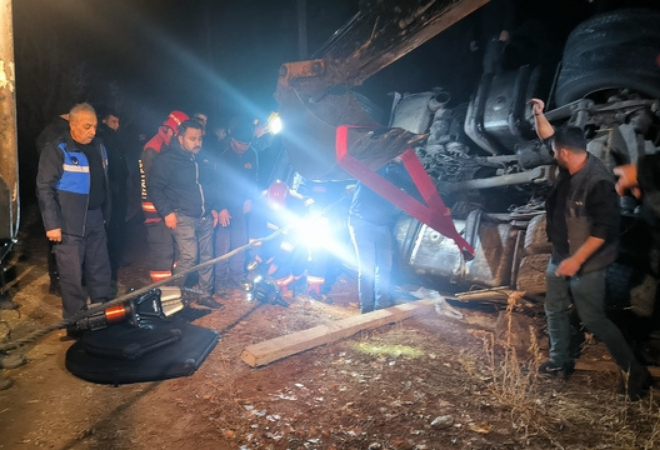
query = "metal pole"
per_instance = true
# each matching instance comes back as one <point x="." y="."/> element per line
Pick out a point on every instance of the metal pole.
<point x="302" y="29"/>
<point x="8" y="143"/>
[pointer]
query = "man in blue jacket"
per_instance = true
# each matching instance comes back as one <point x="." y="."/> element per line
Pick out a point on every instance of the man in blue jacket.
<point x="179" y="186"/>
<point x="74" y="198"/>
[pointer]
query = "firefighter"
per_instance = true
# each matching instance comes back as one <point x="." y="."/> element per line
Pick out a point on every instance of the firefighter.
<point x="161" y="244"/>
<point x="284" y="257"/>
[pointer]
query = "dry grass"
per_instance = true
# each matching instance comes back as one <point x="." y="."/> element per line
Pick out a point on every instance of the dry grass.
<point x="559" y="413"/>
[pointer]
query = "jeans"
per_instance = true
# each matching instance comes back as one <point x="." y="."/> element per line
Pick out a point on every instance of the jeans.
<point x="588" y="294"/>
<point x="373" y="246"/>
<point x="231" y="271"/>
<point x="194" y="241"/>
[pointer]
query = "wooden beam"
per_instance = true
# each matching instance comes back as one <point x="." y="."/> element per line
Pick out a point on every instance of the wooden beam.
<point x="268" y="351"/>
<point x="606" y="366"/>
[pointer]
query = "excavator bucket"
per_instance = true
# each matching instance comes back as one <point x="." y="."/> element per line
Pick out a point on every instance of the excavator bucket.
<point x="315" y="96"/>
<point x="310" y="120"/>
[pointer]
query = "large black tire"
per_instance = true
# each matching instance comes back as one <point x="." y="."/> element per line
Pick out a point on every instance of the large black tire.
<point x="613" y="28"/>
<point x="612" y="51"/>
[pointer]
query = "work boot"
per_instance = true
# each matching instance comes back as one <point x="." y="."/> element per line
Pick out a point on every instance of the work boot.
<point x="208" y="303"/>
<point x="551" y="368"/>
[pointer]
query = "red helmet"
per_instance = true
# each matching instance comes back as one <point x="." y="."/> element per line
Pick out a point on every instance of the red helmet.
<point x="278" y="192"/>
<point x="174" y="119"/>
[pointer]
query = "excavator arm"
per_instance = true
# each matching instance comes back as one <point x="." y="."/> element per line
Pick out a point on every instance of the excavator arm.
<point x="315" y="96"/>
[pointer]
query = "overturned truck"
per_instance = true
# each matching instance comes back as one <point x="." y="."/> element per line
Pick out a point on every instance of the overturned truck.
<point x="484" y="159"/>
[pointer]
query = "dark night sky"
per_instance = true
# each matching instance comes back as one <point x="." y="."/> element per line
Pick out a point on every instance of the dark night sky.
<point x="223" y="56"/>
<point x="213" y="55"/>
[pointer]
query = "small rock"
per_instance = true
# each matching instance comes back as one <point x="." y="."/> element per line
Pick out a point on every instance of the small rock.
<point x="375" y="446"/>
<point x="229" y="434"/>
<point x="442" y="422"/>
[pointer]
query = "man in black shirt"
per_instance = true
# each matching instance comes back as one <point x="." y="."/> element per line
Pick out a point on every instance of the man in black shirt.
<point x="583" y="226"/>
<point x="371" y="222"/>
<point x="118" y="176"/>
<point x="237" y="171"/>
<point x="74" y="198"/>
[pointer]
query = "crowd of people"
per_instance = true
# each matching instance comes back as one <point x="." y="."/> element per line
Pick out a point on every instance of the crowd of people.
<point x="200" y="199"/>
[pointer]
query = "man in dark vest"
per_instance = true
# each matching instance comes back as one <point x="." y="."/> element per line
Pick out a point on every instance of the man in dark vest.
<point x="74" y="198"/>
<point x="583" y="226"/>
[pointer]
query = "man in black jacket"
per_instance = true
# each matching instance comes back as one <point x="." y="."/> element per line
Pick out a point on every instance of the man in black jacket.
<point x="118" y="174"/>
<point x="74" y="198"/>
<point x="371" y="222"/>
<point x="237" y="171"/>
<point x="179" y="184"/>
<point x="583" y="226"/>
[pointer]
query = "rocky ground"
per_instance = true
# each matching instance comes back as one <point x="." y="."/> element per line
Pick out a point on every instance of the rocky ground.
<point x="431" y="382"/>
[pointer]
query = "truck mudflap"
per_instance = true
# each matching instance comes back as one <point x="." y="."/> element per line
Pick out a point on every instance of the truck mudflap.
<point x="434" y="213"/>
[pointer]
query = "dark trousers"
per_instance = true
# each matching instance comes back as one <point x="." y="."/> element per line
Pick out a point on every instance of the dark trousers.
<point x="587" y="292"/>
<point x="373" y="247"/>
<point x="194" y="243"/>
<point x="231" y="271"/>
<point x="117" y="233"/>
<point x="161" y="250"/>
<point x="86" y="254"/>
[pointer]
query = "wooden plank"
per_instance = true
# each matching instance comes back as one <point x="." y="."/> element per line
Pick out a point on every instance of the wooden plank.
<point x="272" y="350"/>
<point x="606" y="366"/>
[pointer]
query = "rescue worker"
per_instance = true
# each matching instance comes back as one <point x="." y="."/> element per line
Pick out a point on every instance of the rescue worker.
<point x="583" y="227"/>
<point x="371" y="223"/>
<point x="284" y="257"/>
<point x="180" y="185"/>
<point x="161" y="244"/>
<point x="74" y="199"/>
<point x="237" y="171"/>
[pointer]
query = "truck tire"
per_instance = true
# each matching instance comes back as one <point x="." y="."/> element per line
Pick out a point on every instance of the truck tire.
<point x="613" y="28"/>
<point x="531" y="275"/>
<point x="611" y="51"/>
<point x="536" y="238"/>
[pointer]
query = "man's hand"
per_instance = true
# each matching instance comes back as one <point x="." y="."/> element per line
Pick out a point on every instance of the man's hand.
<point x="170" y="221"/>
<point x="473" y="46"/>
<point x="568" y="267"/>
<point x="504" y="36"/>
<point x="537" y="105"/>
<point x="214" y="214"/>
<point x="224" y="218"/>
<point x="54" y="235"/>
<point x="247" y="206"/>
<point x="627" y="180"/>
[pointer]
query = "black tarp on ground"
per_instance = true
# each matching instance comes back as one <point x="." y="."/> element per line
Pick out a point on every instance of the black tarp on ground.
<point x="122" y="354"/>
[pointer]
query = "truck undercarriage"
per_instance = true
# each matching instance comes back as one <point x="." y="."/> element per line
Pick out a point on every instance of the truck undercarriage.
<point x="484" y="157"/>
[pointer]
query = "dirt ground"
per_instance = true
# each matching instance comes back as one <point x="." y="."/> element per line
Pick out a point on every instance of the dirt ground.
<point x="431" y="382"/>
